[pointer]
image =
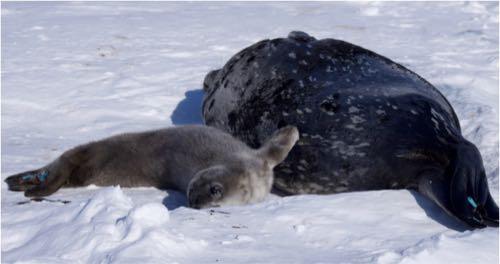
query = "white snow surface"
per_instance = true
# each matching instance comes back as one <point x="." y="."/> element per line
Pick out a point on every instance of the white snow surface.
<point x="76" y="72"/>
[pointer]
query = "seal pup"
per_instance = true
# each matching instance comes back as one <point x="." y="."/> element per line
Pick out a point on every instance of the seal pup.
<point x="366" y="123"/>
<point x="210" y="166"/>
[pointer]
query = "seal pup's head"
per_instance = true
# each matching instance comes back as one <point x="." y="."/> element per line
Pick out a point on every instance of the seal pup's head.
<point x="246" y="178"/>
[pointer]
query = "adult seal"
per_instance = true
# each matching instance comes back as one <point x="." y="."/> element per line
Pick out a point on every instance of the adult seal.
<point x="365" y="122"/>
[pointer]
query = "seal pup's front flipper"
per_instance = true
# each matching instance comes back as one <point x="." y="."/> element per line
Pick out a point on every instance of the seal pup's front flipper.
<point x="462" y="190"/>
<point x="276" y="149"/>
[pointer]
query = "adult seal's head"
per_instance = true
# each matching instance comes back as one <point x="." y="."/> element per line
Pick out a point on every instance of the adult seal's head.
<point x="366" y="123"/>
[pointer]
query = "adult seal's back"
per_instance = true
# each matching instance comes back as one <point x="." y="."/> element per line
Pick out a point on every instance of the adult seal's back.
<point x="366" y="123"/>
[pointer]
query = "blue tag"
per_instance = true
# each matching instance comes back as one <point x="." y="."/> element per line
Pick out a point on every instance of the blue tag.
<point x="28" y="177"/>
<point x="43" y="176"/>
<point x="472" y="202"/>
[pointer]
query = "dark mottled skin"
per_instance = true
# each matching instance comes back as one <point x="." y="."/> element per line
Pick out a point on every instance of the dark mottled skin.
<point x="365" y="122"/>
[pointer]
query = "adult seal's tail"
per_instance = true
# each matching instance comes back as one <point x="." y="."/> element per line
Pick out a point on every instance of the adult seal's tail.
<point x="462" y="189"/>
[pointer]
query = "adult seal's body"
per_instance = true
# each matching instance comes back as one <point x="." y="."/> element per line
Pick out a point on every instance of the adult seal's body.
<point x="366" y="123"/>
<point x="210" y="166"/>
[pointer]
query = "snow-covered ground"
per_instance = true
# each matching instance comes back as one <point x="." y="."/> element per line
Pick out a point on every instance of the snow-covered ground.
<point x="75" y="72"/>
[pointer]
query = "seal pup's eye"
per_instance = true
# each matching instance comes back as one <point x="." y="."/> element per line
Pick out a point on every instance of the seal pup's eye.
<point x="216" y="191"/>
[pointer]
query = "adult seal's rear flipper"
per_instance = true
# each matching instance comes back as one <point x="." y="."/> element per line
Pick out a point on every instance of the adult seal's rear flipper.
<point x="462" y="190"/>
<point x="470" y="195"/>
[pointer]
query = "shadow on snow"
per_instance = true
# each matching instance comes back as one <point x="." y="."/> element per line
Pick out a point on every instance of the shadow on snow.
<point x="188" y="111"/>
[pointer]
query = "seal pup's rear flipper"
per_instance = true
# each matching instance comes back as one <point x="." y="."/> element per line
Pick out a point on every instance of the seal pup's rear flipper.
<point x="26" y="180"/>
<point x="48" y="179"/>
<point x="41" y="182"/>
<point x="462" y="190"/>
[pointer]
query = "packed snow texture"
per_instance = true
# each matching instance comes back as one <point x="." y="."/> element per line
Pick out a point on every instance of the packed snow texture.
<point x="76" y="72"/>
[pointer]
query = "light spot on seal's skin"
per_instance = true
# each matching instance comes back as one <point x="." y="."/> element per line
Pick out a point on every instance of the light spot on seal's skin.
<point x="264" y="116"/>
<point x="299" y="112"/>
<point x="436" y="114"/>
<point x="314" y="188"/>
<point x="436" y="124"/>
<point x="284" y="113"/>
<point x="364" y="144"/>
<point x="273" y="72"/>
<point x="353" y="109"/>
<point x="303" y="62"/>
<point x="353" y="127"/>
<point x="340" y="189"/>
<point x="357" y="119"/>
<point x="301" y="83"/>
<point x="292" y="55"/>
<point x="308" y="110"/>
<point x="349" y="150"/>
<point x="414" y="112"/>
<point x="329" y="69"/>
<point x="301" y="142"/>
<point x="380" y="112"/>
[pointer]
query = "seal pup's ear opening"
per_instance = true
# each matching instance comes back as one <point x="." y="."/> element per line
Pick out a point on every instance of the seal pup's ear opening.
<point x="275" y="150"/>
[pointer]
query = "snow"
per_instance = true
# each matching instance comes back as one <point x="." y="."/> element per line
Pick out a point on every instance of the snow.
<point x="76" y="72"/>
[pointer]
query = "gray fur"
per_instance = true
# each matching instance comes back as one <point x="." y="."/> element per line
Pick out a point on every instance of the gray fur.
<point x="211" y="166"/>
